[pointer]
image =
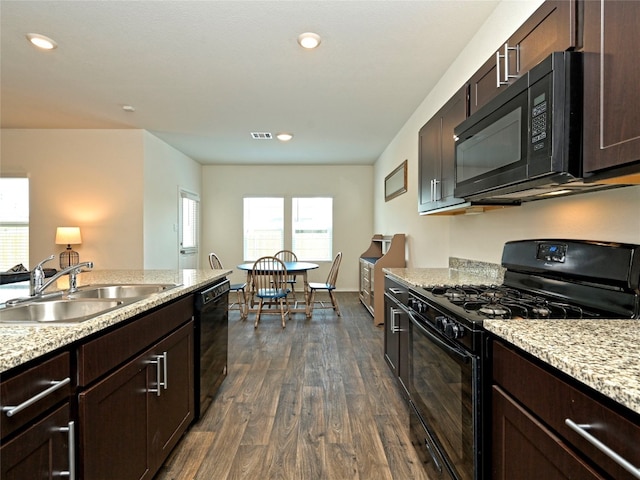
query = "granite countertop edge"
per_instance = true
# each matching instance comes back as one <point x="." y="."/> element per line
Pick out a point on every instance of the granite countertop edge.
<point x="22" y="343"/>
<point x="602" y="354"/>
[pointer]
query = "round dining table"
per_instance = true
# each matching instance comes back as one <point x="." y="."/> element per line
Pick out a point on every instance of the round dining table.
<point x="293" y="268"/>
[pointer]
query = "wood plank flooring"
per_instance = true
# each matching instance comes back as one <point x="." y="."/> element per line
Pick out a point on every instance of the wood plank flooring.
<point x="313" y="401"/>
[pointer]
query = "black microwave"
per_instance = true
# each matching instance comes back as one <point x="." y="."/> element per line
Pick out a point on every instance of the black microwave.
<point x="528" y="139"/>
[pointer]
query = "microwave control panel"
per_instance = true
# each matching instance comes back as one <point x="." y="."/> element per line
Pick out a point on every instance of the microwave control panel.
<point x="539" y="121"/>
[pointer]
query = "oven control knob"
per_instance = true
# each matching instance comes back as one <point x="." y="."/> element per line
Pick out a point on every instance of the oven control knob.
<point x="453" y="330"/>
<point x="441" y="322"/>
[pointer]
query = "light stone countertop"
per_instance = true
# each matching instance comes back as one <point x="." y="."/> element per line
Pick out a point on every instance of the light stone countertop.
<point x="602" y="354"/>
<point x="21" y="343"/>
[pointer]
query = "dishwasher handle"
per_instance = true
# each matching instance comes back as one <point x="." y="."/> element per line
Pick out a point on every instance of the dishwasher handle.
<point x="212" y="294"/>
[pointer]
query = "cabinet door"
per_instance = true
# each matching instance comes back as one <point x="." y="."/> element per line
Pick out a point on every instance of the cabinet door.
<point x="524" y="449"/>
<point x="42" y="451"/>
<point x="452" y="114"/>
<point x="611" y="79"/>
<point x="428" y="164"/>
<point x="551" y="28"/>
<point x="436" y="151"/>
<point x="113" y="417"/>
<point x="391" y="335"/>
<point x="171" y="394"/>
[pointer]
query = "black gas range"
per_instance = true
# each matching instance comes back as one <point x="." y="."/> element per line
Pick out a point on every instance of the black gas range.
<point x="544" y="279"/>
<point x="448" y="355"/>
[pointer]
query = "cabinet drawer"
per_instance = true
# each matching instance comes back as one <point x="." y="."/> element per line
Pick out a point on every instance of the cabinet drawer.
<point x="553" y="401"/>
<point x="366" y="273"/>
<point x="52" y="376"/>
<point x="99" y="356"/>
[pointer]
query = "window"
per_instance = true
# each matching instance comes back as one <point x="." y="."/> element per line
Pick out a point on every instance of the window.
<point x="189" y="223"/>
<point x="14" y="222"/>
<point x="312" y="228"/>
<point x="263" y="226"/>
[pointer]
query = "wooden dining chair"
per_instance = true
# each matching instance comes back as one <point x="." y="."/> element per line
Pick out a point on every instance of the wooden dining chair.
<point x="329" y="286"/>
<point x="238" y="288"/>
<point x="268" y="284"/>
<point x="288" y="256"/>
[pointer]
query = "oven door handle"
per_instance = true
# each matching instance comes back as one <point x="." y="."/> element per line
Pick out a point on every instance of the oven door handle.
<point x="458" y="352"/>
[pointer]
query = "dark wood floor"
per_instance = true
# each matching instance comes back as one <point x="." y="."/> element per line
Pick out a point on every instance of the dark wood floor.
<point x="312" y="401"/>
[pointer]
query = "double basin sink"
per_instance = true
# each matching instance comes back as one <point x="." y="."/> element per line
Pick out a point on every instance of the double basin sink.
<point x="85" y="303"/>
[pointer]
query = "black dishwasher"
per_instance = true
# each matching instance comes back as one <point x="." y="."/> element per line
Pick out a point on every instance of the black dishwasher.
<point x="211" y="343"/>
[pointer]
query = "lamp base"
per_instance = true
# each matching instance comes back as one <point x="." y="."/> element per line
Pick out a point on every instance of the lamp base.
<point x="68" y="258"/>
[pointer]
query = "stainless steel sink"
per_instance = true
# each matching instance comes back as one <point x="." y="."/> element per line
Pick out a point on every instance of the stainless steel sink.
<point x="57" y="311"/>
<point x="123" y="291"/>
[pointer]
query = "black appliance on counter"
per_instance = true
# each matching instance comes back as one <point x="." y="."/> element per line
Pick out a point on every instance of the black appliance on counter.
<point x="448" y="353"/>
<point x="527" y="141"/>
<point x="211" y="343"/>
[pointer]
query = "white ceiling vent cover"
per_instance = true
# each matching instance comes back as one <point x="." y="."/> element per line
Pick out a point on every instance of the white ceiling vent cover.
<point x="261" y="135"/>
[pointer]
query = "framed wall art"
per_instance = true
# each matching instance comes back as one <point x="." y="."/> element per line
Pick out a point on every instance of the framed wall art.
<point x="396" y="182"/>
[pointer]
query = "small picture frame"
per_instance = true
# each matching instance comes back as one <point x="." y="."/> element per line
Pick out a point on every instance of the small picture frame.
<point x="396" y="182"/>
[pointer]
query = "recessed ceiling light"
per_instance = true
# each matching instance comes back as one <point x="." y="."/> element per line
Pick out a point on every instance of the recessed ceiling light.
<point x="309" y="40"/>
<point x="40" y="41"/>
<point x="284" y="137"/>
<point x="128" y="108"/>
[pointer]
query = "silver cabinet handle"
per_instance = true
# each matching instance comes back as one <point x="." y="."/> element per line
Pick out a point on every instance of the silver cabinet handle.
<point x="71" y="473"/>
<point x="165" y="382"/>
<point x="11" y="410"/>
<point x="395" y="290"/>
<point x="159" y="383"/>
<point x="581" y="429"/>
<point x="394" y="327"/>
<point x="507" y="75"/>
<point x="499" y="81"/>
<point x="162" y="373"/>
<point x="434" y="190"/>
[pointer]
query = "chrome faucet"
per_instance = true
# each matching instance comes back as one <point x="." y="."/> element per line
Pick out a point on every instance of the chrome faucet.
<point x="38" y="285"/>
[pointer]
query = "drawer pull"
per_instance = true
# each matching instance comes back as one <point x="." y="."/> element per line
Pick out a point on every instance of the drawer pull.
<point x="581" y="429"/>
<point x="11" y="410"/>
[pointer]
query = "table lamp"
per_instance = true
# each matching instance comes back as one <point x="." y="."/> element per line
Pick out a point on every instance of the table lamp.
<point x="68" y="236"/>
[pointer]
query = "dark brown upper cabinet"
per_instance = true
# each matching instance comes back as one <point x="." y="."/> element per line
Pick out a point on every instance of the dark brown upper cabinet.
<point x="436" y="153"/>
<point x="551" y="28"/>
<point x="612" y="78"/>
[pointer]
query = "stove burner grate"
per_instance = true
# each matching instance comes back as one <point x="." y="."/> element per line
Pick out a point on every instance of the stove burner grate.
<point x="501" y="302"/>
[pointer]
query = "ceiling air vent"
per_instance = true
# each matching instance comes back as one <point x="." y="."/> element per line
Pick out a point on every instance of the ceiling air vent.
<point x="261" y="135"/>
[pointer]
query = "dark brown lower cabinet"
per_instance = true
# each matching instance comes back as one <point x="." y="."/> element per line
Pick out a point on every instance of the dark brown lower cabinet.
<point x="41" y="451"/>
<point x="130" y="420"/>
<point x="536" y="410"/>
<point x="525" y="449"/>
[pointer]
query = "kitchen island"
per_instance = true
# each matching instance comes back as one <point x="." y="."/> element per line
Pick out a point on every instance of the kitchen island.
<point x="20" y="344"/>
<point x="111" y="395"/>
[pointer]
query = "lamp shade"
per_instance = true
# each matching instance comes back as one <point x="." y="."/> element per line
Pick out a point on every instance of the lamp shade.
<point x="68" y="236"/>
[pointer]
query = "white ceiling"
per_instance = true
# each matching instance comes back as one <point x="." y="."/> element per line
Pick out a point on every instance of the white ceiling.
<point x="203" y="75"/>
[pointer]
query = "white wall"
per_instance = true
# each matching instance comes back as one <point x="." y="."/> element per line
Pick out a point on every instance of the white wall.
<point x="119" y="186"/>
<point x="612" y="215"/>
<point x="166" y="171"/>
<point x="224" y="187"/>
<point x="87" y="178"/>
